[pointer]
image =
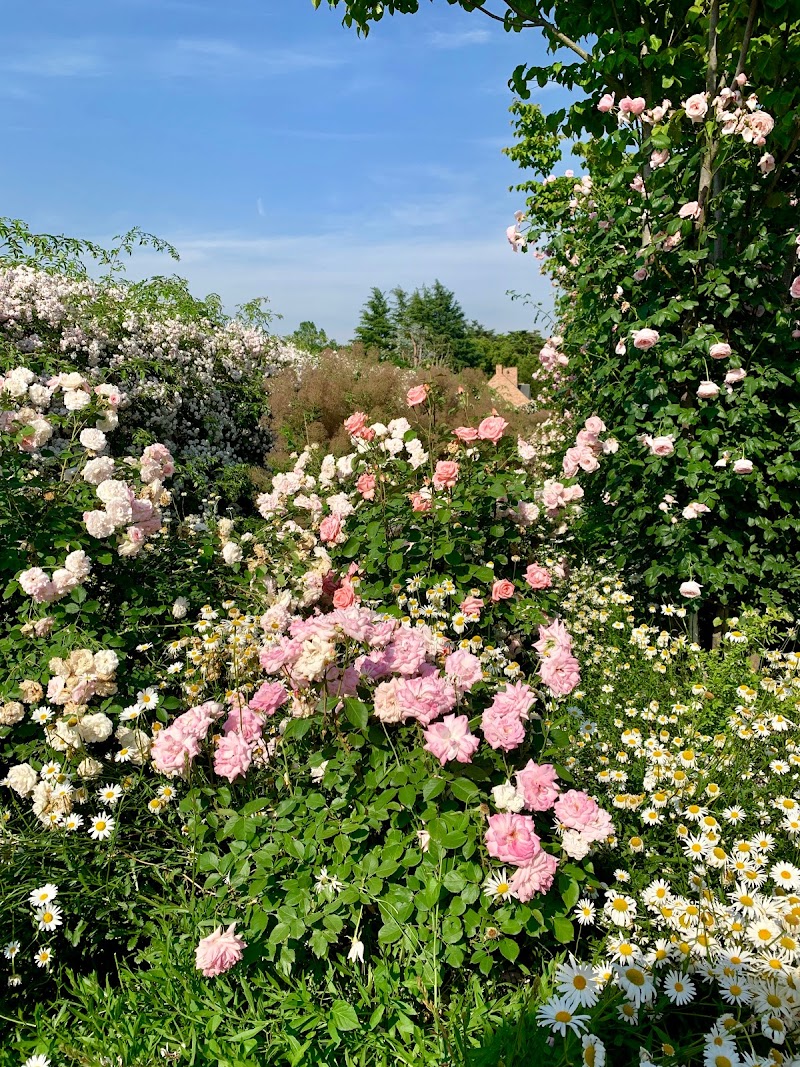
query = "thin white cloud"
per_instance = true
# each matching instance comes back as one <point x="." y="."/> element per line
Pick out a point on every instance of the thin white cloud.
<point x="329" y="279"/>
<point x="457" y="38"/>
<point x="67" y="60"/>
<point x="215" y="57"/>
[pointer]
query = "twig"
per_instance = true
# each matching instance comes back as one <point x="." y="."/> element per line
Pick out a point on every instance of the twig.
<point x="748" y="33"/>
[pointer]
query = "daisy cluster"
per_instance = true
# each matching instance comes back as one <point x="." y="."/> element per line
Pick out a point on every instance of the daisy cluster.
<point x="46" y="916"/>
<point x="705" y="788"/>
<point x="189" y="380"/>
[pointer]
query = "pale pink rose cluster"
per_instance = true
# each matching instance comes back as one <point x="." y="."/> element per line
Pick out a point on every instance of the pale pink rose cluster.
<point x="44" y="589"/>
<point x="551" y="357"/>
<point x="490" y="429"/>
<point x="555" y="496"/>
<point x="450" y="739"/>
<point x="582" y="823"/>
<point x="82" y="675"/>
<point x="583" y="455"/>
<point x="135" y="518"/>
<point x="662" y="445"/>
<point x="175" y="748"/>
<point x="559" y="670"/>
<point x="631" y="108"/>
<point x="502" y="723"/>
<point x="511" y="838"/>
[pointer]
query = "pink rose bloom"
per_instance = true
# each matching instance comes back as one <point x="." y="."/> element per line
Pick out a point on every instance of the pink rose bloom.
<point x="366" y="486"/>
<point x="737" y="374"/>
<point x="450" y="739"/>
<point x="597" y="827"/>
<point x="582" y="458"/>
<point x="282" y="654"/>
<point x="576" y="809"/>
<point x="345" y="596"/>
<point x="743" y="466"/>
<point x="330" y="529"/>
<point x="537" y="785"/>
<point x="492" y="429"/>
<point x="502" y="589"/>
<point x="659" y="157"/>
<point x="606" y="102"/>
<point x="172" y="753"/>
<point x="463" y="669"/>
<point x="355" y="423"/>
<point x="645" y="338"/>
<point x="218" y="952"/>
<point x="660" y="446"/>
<point x="515" y="700"/>
<point x="425" y="699"/>
<point x="418" y="394"/>
<point x="385" y="704"/>
<point x="406" y="652"/>
<point x="794" y="289"/>
<point x="632" y="106"/>
<point x="446" y="474"/>
<point x="467" y="434"/>
<point x="538" y="577"/>
<point x="245" y="722"/>
<point x="720" y="350"/>
<point x="471" y="606"/>
<point x="552" y="638"/>
<point x="707" y="390"/>
<point x="195" y="722"/>
<point x="696" y="107"/>
<point x="511" y="838"/>
<point x="560" y="672"/>
<point x="232" y="756"/>
<point x="594" y="425"/>
<point x="269" y="698"/>
<point x="690" y="589"/>
<point x="533" y="877"/>
<point x="690" y="210"/>
<point x="504" y="732"/>
<point x="420" y="503"/>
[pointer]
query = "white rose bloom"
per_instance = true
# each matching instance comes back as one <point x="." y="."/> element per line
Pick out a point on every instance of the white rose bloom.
<point x="574" y="845"/>
<point x="89" y="768"/>
<point x="180" y="607"/>
<point x="105" y="663"/>
<point x="11" y="713"/>
<point x="78" y="563"/>
<point x="74" y="380"/>
<point x="93" y="439"/>
<point x="110" y="421"/>
<point x="75" y="399"/>
<point x="98" y="470"/>
<point x="22" y="779"/>
<point x="231" y="553"/>
<point x="506" y="798"/>
<point x="95" y="728"/>
<point x="113" y="489"/>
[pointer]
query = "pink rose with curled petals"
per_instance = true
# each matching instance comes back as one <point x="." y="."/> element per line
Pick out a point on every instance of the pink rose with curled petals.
<point x="696" y="107"/>
<point x="594" y="425"/>
<point x="737" y="374"/>
<point x="366" y="485"/>
<point x="511" y="838"/>
<point x="576" y="809"/>
<point x="269" y="698"/>
<point x="690" y="589"/>
<point x="504" y="732"/>
<point x="794" y="289"/>
<point x="232" y="756"/>
<point x="515" y="700"/>
<point x="708" y="390"/>
<point x="632" y="105"/>
<point x="538" y="577"/>
<point x="355" y="423"/>
<point x="420" y="503"/>
<point x="467" y="434"/>
<point x="218" y="952"/>
<point x="560" y="672"/>
<point x="533" y="877"/>
<point x="720" y="350"/>
<point x="536" y="783"/>
<point x="690" y="210"/>
<point x="330" y="529"/>
<point x="660" y="446"/>
<point x="502" y="589"/>
<point x="446" y="474"/>
<point x="463" y="669"/>
<point x="243" y="721"/>
<point x="492" y="428"/>
<point x="417" y="394"/>
<point x="743" y="466"/>
<point x="172" y="753"/>
<point x="606" y="102"/>
<point x="425" y="699"/>
<point x="345" y="596"/>
<point x="450" y="739"/>
<point x="645" y="338"/>
<point x="552" y="638"/>
<point x="471" y="606"/>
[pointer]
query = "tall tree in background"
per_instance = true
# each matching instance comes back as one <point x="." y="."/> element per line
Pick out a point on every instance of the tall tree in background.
<point x="375" y="329"/>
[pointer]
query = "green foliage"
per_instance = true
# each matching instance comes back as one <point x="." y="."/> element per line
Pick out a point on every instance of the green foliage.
<point x="375" y="329"/>
<point x="310" y="338"/>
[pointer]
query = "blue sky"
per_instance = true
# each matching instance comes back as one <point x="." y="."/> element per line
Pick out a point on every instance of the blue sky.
<point x="282" y="155"/>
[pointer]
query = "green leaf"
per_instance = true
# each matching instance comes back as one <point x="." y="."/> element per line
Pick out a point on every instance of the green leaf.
<point x="356" y="712"/>
<point x="563" y="930"/>
<point x="509" y="949"/>
<point x="343" y="1016"/>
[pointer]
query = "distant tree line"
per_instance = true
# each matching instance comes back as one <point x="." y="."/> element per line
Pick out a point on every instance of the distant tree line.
<point x="428" y="327"/>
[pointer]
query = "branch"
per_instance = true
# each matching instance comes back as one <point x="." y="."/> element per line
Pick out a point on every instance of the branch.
<point x="748" y="33"/>
<point x="540" y="22"/>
